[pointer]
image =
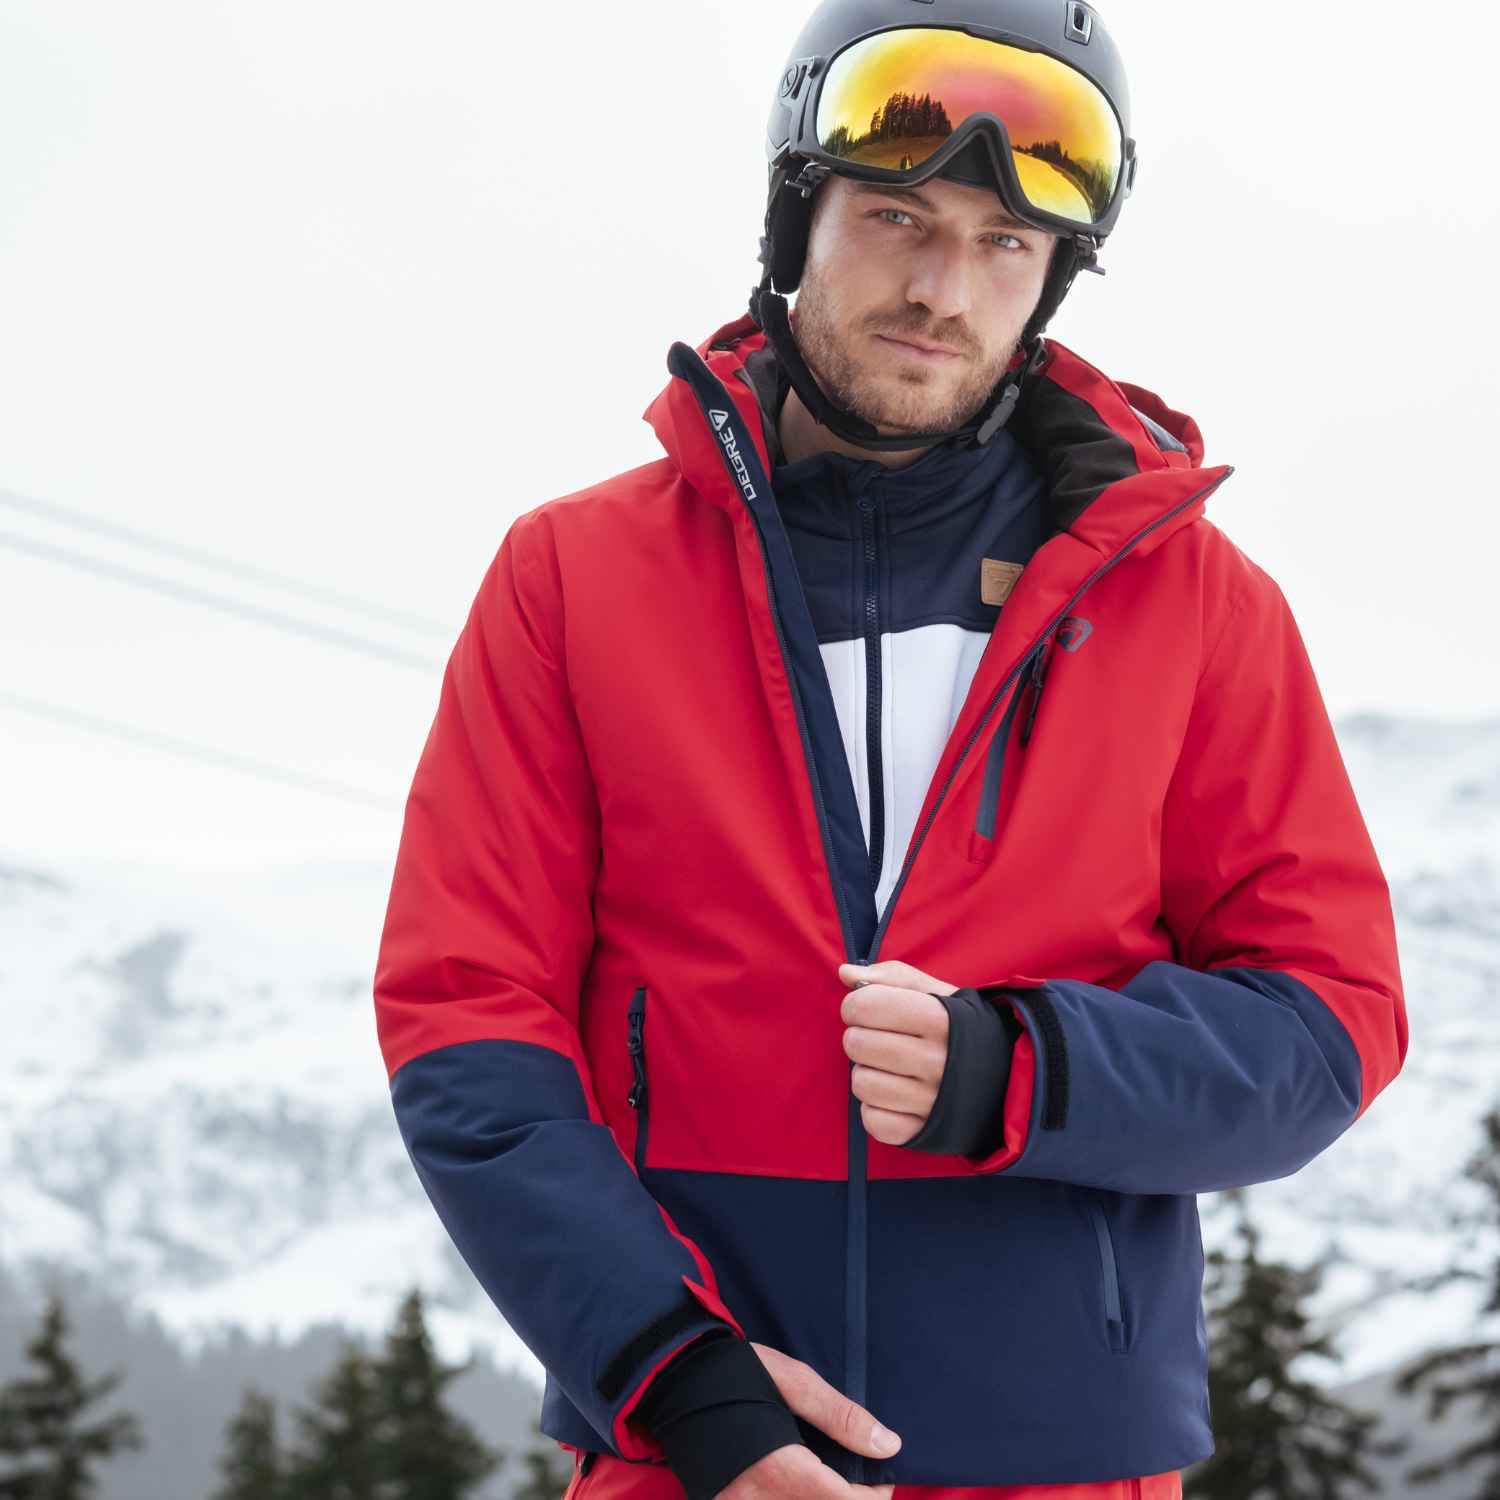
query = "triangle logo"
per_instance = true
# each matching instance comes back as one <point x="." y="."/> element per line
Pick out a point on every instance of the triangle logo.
<point x="719" y="419"/>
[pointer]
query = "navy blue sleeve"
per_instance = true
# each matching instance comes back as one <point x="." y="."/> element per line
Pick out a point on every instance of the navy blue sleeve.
<point x="551" y="1219"/>
<point x="1182" y="1081"/>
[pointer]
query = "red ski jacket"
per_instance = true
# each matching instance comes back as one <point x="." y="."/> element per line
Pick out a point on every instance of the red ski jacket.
<point x="607" y="990"/>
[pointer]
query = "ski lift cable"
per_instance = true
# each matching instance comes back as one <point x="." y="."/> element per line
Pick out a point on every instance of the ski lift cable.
<point x="207" y="753"/>
<point x="82" y="520"/>
<point x="187" y="593"/>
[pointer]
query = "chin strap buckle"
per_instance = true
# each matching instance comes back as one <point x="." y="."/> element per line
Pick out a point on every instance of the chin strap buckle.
<point x="1002" y="413"/>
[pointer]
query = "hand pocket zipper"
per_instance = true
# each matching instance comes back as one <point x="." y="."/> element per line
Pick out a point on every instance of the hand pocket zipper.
<point x="638" y="1098"/>
<point x="1114" y="1317"/>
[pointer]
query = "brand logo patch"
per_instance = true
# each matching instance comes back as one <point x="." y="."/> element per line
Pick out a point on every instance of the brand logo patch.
<point x="1073" y="632"/>
<point x="997" y="579"/>
<point x="731" y="444"/>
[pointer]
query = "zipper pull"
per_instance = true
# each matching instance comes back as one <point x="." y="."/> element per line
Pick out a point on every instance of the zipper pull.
<point x="1038" y="676"/>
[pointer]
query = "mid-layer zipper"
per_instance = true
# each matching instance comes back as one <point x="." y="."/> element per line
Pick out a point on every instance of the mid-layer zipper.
<point x="874" y="762"/>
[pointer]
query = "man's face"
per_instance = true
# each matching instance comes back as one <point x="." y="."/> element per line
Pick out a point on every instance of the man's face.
<point x="943" y="264"/>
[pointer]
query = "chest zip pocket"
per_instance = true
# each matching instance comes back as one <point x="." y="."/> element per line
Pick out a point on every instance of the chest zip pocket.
<point x="637" y="1098"/>
<point x="1028" y="689"/>
<point x="1114" y="1318"/>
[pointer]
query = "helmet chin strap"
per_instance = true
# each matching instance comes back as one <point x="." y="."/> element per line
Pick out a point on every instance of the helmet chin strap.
<point x="770" y="313"/>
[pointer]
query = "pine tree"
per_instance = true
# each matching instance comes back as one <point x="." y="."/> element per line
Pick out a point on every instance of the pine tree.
<point x="251" y="1464"/>
<point x="339" y="1455"/>
<point x="1275" y="1436"/>
<point x="46" y="1450"/>
<point x="1484" y="1384"/>
<point x="427" y="1452"/>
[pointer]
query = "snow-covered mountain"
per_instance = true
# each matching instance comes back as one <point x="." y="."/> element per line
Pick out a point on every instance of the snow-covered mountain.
<point x="194" y="1109"/>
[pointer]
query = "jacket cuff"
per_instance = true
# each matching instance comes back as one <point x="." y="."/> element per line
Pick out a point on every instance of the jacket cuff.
<point x="715" y="1410"/>
<point x="968" y="1115"/>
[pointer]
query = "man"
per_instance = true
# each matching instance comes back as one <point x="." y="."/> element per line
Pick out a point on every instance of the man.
<point x="872" y="867"/>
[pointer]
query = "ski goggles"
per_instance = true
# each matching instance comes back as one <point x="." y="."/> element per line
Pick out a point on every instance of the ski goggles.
<point x="891" y="103"/>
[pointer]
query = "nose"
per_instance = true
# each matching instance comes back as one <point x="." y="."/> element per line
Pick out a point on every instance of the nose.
<point x="942" y="280"/>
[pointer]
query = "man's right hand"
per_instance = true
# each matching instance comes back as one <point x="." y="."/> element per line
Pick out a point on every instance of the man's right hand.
<point x="795" y="1472"/>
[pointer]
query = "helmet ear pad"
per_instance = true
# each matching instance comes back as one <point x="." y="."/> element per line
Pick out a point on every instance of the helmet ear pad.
<point x="789" y="217"/>
<point x="1061" y="273"/>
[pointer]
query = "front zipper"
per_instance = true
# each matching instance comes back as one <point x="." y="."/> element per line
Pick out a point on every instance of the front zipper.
<point x="685" y="361"/>
<point x="637" y="1099"/>
<point x="1114" y="1318"/>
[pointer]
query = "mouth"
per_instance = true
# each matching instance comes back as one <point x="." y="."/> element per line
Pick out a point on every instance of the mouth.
<point x="924" y="353"/>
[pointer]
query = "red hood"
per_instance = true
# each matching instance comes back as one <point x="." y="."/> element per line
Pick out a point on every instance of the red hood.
<point x="1108" y="478"/>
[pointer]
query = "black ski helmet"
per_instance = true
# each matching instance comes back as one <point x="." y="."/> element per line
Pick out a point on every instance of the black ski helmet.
<point x="1070" y="31"/>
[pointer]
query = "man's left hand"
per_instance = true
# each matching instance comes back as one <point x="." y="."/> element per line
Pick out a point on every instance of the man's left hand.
<point x="896" y="1034"/>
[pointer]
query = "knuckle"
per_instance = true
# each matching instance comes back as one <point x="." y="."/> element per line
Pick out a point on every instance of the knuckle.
<point x="797" y="1379"/>
<point x="848" y="1420"/>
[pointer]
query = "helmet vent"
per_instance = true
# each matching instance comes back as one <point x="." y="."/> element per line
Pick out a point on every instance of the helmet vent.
<point x="1080" y="24"/>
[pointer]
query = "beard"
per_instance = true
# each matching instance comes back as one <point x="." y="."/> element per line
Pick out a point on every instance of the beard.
<point x="895" y="397"/>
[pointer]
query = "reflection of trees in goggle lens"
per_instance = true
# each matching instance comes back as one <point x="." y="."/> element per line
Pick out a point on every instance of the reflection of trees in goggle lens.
<point x="906" y="130"/>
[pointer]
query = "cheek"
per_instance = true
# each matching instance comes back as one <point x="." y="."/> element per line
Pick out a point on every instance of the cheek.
<point x="865" y="265"/>
<point x="1017" y="293"/>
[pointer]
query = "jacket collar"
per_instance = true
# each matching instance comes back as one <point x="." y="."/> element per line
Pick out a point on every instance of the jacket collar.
<point x="1119" y="463"/>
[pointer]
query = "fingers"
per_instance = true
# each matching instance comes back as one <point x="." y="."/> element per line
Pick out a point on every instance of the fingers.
<point x="797" y="1473"/>
<point x="825" y="1406"/>
<point x="891" y="1093"/>
<point x="889" y="1008"/>
<point x="896" y="1052"/>
<point x="889" y="1128"/>
<point x="895" y="972"/>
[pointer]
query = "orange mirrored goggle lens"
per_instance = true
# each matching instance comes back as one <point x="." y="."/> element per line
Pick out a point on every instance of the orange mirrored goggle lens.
<point x="894" y="99"/>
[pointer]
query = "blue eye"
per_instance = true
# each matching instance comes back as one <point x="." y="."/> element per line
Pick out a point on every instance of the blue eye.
<point x="901" y="213"/>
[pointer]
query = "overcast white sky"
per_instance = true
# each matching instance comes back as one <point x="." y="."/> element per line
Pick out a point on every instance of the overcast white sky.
<point x="340" y="289"/>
